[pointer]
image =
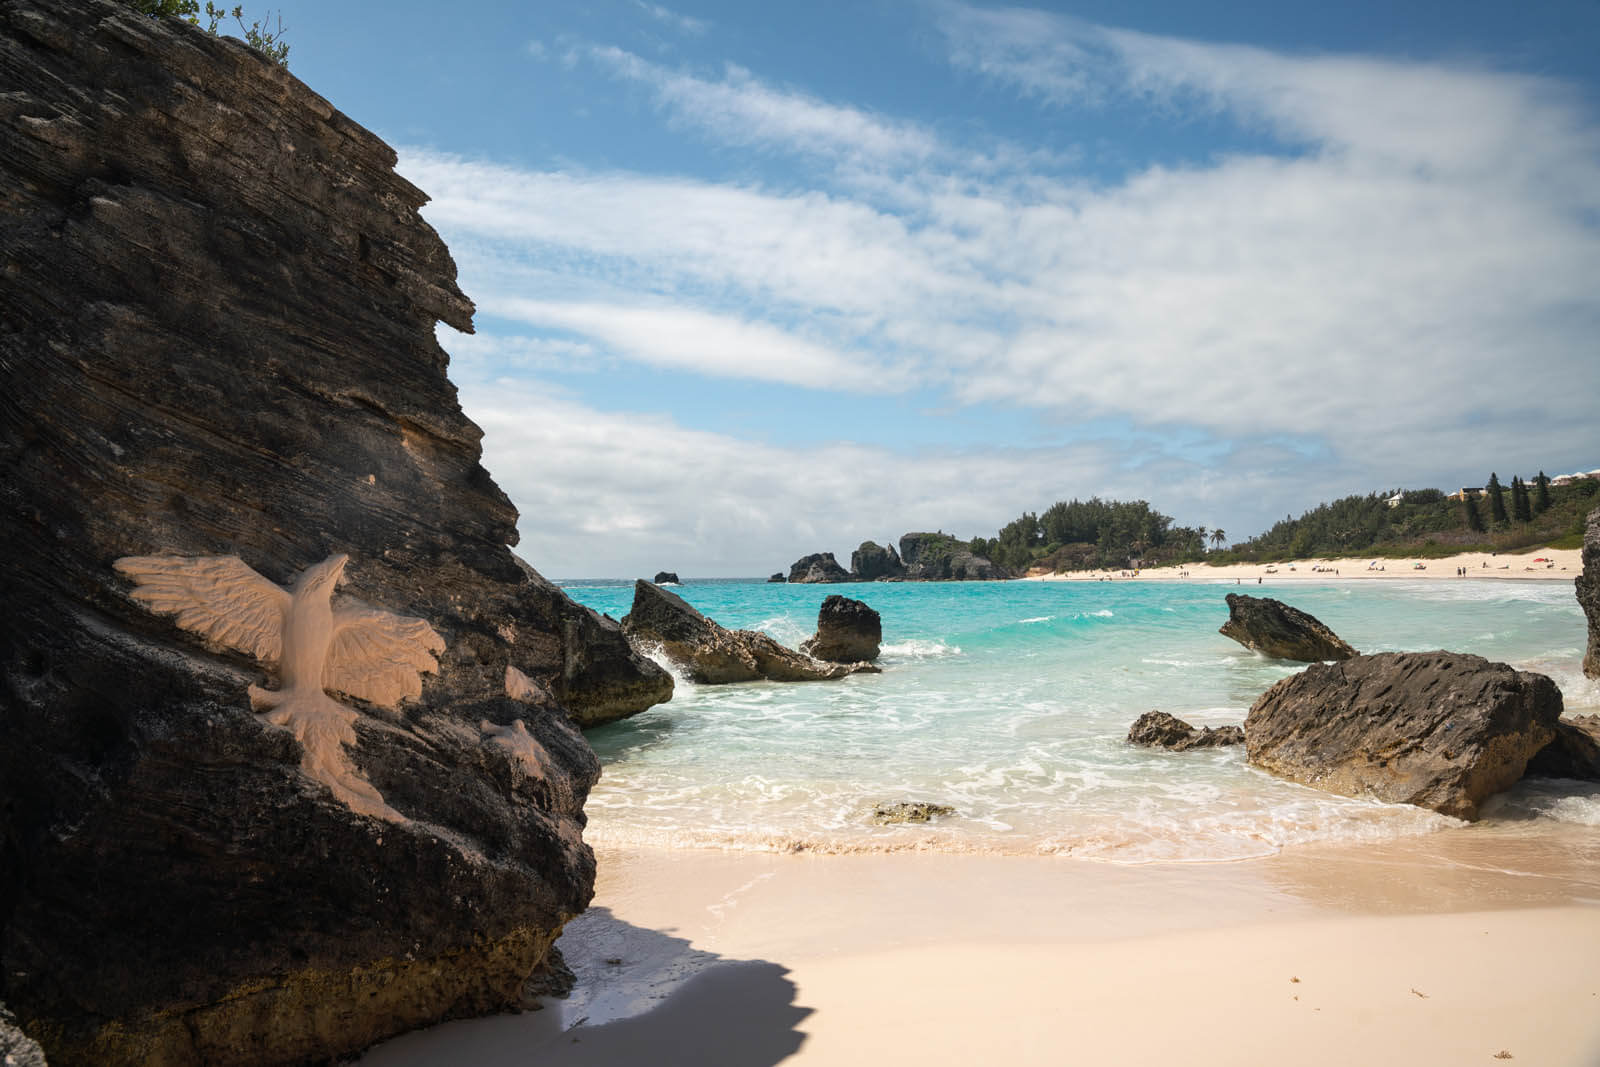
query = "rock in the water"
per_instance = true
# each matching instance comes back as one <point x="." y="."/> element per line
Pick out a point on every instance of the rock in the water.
<point x="777" y="576"/>
<point x="1441" y="730"/>
<point x="1157" y="729"/>
<point x="713" y="654"/>
<point x="848" y="631"/>
<point x="873" y="561"/>
<point x="17" y="1049"/>
<point x="663" y="577"/>
<point x="816" y="568"/>
<point x="1588" y="586"/>
<point x="909" y="811"/>
<point x="1573" y="753"/>
<point x="1273" y="628"/>
<point x="219" y="311"/>
<point x="940" y="557"/>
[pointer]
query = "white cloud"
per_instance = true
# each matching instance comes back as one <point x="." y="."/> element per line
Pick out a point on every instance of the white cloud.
<point x="683" y="23"/>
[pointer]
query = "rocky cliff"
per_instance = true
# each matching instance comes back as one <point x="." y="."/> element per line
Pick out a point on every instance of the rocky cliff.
<point x="217" y="353"/>
<point x="1588" y="584"/>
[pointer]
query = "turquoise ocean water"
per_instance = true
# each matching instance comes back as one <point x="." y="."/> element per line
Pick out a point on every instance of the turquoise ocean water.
<point x="1010" y="702"/>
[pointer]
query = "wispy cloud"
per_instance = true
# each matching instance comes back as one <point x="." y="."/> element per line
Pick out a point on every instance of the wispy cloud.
<point x="680" y="22"/>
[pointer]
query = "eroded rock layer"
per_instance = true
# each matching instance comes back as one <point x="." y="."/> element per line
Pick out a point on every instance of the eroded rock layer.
<point x="217" y="339"/>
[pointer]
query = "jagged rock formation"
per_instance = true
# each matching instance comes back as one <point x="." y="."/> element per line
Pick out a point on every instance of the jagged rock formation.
<point x="1157" y="729"/>
<point x="667" y="576"/>
<point x="713" y="654"/>
<point x="1441" y="730"/>
<point x="1588" y="586"/>
<point x="777" y="576"/>
<point x="1273" y="628"/>
<point x="816" y="568"/>
<point x="941" y="557"/>
<point x="1573" y="753"/>
<point x="218" y="340"/>
<point x="848" y="631"/>
<point x="873" y="562"/>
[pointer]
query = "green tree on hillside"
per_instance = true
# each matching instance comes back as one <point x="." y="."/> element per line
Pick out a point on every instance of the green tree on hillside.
<point x="1469" y="511"/>
<point x="1497" y="499"/>
<point x="1521" y="505"/>
<point x="1218" y="538"/>
<point x="1541" y="494"/>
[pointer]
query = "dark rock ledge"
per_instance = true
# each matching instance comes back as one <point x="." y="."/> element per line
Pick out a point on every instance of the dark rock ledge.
<point x="219" y="309"/>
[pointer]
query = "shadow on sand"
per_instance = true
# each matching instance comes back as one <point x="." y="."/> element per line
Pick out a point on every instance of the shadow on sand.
<point x="641" y="997"/>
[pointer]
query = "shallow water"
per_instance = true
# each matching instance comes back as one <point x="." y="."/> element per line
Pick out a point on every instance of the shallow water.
<point x="1009" y="701"/>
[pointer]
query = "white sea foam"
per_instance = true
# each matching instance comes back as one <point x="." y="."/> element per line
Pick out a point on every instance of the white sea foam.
<point x="919" y="649"/>
<point x="1036" y="618"/>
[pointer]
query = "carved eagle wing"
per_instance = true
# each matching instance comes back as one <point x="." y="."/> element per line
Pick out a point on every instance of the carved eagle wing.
<point x="377" y="656"/>
<point x="218" y="597"/>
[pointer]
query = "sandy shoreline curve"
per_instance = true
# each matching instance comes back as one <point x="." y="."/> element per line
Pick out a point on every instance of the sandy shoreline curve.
<point x="1543" y="564"/>
<point x="1447" y="948"/>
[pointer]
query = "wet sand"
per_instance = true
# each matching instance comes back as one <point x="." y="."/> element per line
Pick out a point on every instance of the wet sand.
<point x="1447" y="948"/>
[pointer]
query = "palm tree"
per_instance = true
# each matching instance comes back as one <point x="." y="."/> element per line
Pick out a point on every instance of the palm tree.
<point x="1218" y="537"/>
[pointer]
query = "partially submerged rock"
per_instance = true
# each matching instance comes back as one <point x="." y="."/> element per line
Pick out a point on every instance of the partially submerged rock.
<point x="1273" y="628"/>
<point x="1588" y="587"/>
<point x="819" y="567"/>
<point x="219" y="343"/>
<point x="777" y="577"/>
<point x="1157" y="729"/>
<point x="1441" y="730"/>
<point x="909" y="811"/>
<point x="713" y="654"/>
<point x="848" y="631"/>
<point x="667" y="576"/>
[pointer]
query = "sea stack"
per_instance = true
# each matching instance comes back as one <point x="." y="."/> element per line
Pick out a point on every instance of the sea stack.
<point x="219" y="360"/>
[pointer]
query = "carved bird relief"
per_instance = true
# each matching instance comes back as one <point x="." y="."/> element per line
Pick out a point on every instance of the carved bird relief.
<point x="314" y="646"/>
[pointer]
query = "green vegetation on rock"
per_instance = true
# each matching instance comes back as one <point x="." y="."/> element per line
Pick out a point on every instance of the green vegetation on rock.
<point x="265" y="35"/>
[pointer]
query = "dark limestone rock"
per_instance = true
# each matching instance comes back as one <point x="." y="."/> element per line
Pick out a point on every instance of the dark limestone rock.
<point x="1573" y="753"/>
<point x="1273" y="628"/>
<point x="1441" y="730"/>
<point x="219" y="309"/>
<point x="17" y="1049"/>
<point x="872" y="562"/>
<point x="713" y="654"/>
<point x="848" y="631"/>
<point x="777" y="577"/>
<point x="931" y="557"/>
<point x="816" y="568"/>
<point x="1157" y="729"/>
<point x="1588" y="587"/>
<point x="909" y="811"/>
<point x="666" y="576"/>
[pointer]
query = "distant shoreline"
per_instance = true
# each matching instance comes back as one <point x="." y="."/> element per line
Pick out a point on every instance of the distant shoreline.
<point x="1555" y="564"/>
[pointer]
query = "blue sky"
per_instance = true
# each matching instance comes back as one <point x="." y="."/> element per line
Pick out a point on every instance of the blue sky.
<point x="757" y="280"/>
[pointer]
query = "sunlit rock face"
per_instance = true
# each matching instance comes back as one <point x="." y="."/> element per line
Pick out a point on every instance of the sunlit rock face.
<point x="218" y="312"/>
<point x="1588" y="585"/>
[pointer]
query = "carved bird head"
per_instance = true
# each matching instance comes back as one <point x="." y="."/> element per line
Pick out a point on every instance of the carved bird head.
<point x="323" y="577"/>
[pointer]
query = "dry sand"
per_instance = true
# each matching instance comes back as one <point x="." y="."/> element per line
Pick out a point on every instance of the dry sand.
<point x="1541" y="564"/>
<point x="1445" y="949"/>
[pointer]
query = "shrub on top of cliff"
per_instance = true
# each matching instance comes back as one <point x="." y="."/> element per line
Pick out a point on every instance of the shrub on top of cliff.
<point x="261" y="34"/>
